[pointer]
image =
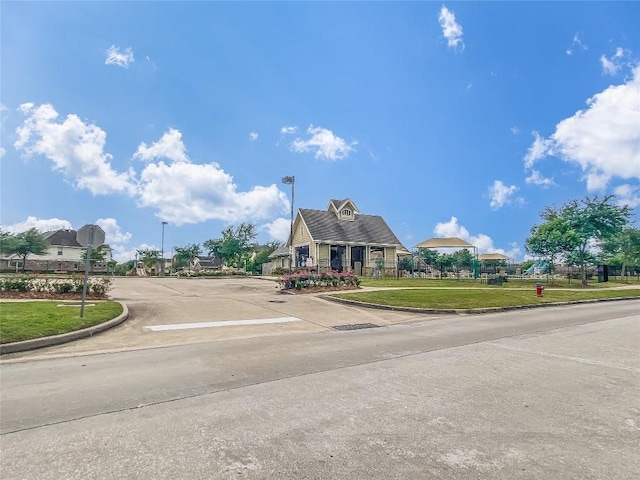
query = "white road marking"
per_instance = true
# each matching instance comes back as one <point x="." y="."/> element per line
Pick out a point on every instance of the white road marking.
<point x="565" y="357"/>
<point x="228" y="323"/>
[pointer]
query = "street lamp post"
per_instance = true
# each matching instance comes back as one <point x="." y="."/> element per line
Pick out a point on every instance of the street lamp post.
<point x="162" y="252"/>
<point x="290" y="181"/>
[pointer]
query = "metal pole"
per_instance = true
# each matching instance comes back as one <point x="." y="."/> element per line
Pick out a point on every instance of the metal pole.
<point x="86" y="270"/>
<point x="162" y="252"/>
<point x="291" y="250"/>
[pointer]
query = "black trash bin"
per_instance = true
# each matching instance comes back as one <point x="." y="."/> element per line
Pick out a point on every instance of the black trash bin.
<point x="603" y="273"/>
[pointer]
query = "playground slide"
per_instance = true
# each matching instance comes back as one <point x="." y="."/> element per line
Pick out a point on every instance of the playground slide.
<point x="538" y="267"/>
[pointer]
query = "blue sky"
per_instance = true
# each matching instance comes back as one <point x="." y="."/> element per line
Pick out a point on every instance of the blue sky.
<point x="454" y="119"/>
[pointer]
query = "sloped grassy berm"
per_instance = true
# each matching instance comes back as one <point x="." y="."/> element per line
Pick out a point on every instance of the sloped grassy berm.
<point x="461" y="298"/>
<point x="27" y="320"/>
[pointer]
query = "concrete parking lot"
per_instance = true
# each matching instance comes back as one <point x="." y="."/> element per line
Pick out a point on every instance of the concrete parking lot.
<point x="155" y="302"/>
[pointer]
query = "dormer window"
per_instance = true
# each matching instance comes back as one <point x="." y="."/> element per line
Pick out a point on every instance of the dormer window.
<point x="346" y="212"/>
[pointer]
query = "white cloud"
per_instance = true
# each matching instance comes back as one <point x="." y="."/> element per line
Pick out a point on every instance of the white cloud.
<point x="481" y="241"/>
<point x="515" y="130"/>
<point x="75" y="148"/>
<point x="190" y="193"/>
<point x="628" y="195"/>
<point x="604" y="139"/>
<point x="120" y="58"/>
<point x="536" y="178"/>
<point x="169" y="146"/>
<point x="113" y="233"/>
<point x="288" y="130"/>
<point x="279" y="229"/>
<point x="325" y="144"/>
<point x="613" y="64"/>
<point x="451" y="30"/>
<point x="502" y="195"/>
<point x="2" y="152"/>
<point x="253" y="136"/>
<point x="116" y="239"/>
<point x="125" y="255"/>
<point x="538" y="149"/>
<point x="40" y="224"/>
<point x="576" y="45"/>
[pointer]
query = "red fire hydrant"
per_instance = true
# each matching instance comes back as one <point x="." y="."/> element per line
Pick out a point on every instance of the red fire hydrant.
<point x="539" y="289"/>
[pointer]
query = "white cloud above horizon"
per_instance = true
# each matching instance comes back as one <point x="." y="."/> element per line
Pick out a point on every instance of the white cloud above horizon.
<point x="279" y="229"/>
<point x="253" y="136"/>
<point x="114" y="56"/>
<point x="603" y="139"/>
<point x="576" y="44"/>
<point x="181" y="192"/>
<point x="613" y="64"/>
<point x="627" y="195"/>
<point x="75" y="148"/>
<point x="193" y="193"/>
<point x="502" y="195"/>
<point x="170" y="146"/>
<point x="481" y="241"/>
<point x="536" y="178"/>
<point x="324" y="144"/>
<point x="288" y="130"/>
<point x="451" y="30"/>
<point x="40" y="224"/>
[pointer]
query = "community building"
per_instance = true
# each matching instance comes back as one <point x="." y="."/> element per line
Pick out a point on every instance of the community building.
<point x="341" y="238"/>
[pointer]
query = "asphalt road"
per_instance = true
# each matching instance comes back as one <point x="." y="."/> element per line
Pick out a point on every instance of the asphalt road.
<point x="544" y="393"/>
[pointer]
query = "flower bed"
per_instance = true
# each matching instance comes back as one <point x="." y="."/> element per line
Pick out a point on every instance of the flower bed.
<point x="27" y="286"/>
<point x="311" y="282"/>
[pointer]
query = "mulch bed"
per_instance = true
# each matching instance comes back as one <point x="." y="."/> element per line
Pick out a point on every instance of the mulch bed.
<point x="50" y="296"/>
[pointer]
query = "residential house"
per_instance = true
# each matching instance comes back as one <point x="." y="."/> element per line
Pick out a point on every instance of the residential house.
<point x="341" y="238"/>
<point x="279" y="260"/>
<point x="64" y="254"/>
<point x="206" y="264"/>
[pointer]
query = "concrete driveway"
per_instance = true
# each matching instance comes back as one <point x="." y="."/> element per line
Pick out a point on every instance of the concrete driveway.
<point x="173" y="303"/>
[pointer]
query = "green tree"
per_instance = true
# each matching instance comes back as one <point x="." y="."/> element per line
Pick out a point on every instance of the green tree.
<point x="234" y="246"/>
<point x="149" y="257"/>
<point x="462" y="258"/>
<point x="184" y="256"/>
<point x="428" y="255"/>
<point x="552" y="239"/>
<point x="406" y="263"/>
<point x="592" y="221"/>
<point x="124" y="268"/>
<point x="97" y="254"/>
<point x="255" y="264"/>
<point x="23" y="244"/>
<point x="624" y="247"/>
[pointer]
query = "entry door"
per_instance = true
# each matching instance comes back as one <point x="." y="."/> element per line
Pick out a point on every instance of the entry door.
<point x="357" y="259"/>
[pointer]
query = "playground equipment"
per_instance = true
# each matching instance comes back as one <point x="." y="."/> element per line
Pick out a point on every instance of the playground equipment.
<point x="539" y="267"/>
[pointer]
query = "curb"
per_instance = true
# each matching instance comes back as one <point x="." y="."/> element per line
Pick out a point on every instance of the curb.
<point x="466" y="311"/>
<point x="34" y="343"/>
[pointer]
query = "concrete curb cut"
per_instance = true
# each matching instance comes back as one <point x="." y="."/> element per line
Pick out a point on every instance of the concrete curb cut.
<point x="467" y="311"/>
<point x="25" y="345"/>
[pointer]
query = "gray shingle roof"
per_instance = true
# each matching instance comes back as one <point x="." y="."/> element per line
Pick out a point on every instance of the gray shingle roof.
<point x="367" y="229"/>
<point x="62" y="238"/>
<point x="282" y="251"/>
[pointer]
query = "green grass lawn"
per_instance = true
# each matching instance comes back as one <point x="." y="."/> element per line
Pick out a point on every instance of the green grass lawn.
<point x="467" y="282"/>
<point x="27" y="320"/>
<point x="477" y="298"/>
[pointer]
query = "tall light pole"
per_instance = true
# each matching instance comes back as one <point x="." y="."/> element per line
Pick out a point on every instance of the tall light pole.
<point x="290" y="181"/>
<point x="162" y="252"/>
